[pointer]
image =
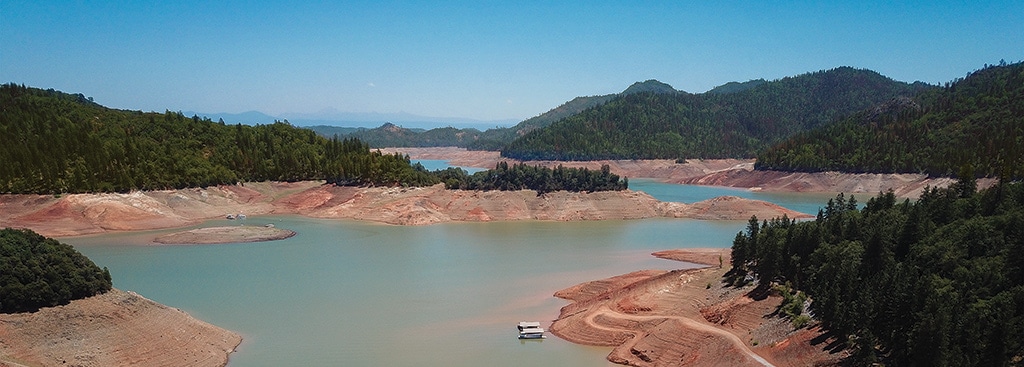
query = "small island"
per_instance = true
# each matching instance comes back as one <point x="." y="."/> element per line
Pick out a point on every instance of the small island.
<point x="227" y="234"/>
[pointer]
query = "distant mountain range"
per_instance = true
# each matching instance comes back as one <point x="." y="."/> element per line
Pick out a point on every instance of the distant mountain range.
<point x="651" y="119"/>
<point x="390" y="135"/>
<point x="332" y="117"/>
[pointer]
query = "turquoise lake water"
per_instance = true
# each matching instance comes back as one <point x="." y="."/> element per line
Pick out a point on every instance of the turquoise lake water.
<point x="364" y="294"/>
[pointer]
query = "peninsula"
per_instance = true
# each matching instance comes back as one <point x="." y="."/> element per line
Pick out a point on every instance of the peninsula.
<point x="116" y="328"/>
<point x="81" y="214"/>
<point x="686" y="317"/>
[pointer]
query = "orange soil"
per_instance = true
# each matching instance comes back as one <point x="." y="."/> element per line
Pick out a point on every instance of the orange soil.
<point x="684" y="317"/>
<point x="81" y="214"/>
<point x="428" y="205"/>
<point x="117" y="328"/>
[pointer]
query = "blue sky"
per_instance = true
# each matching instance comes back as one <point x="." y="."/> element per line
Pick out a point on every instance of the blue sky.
<point x="476" y="59"/>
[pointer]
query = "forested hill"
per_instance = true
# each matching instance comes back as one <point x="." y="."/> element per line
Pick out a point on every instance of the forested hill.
<point x="936" y="282"/>
<point x="972" y="124"/>
<point x="40" y="272"/>
<point x="389" y="135"/>
<point x="55" y="142"/>
<point x="737" y="121"/>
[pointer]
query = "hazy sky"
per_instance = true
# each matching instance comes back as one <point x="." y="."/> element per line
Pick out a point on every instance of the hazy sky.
<point x="476" y="59"/>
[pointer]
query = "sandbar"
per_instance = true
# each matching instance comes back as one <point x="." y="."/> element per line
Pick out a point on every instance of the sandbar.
<point x="227" y="234"/>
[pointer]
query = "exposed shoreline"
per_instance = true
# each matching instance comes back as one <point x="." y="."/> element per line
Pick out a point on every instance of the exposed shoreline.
<point x="117" y="328"/>
<point x="669" y="318"/>
<point x="83" y="214"/>
<point x="735" y="173"/>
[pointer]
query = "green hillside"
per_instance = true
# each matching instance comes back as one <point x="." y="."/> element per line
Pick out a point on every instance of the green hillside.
<point x="735" y="87"/>
<point x="935" y="282"/>
<point x="40" y="272"/>
<point x="736" y="121"/>
<point x="496" y="139"/>
<point x="389" y="135"/>
<point x="972" y="124"/>
<point x="64" y="143"/>
<point x="57" y="143"/>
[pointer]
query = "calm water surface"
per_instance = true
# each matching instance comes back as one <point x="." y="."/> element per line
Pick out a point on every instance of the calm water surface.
<point x="365" y="294"/>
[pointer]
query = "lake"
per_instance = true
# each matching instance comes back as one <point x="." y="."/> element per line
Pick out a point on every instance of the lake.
<point x="354" y="293"/>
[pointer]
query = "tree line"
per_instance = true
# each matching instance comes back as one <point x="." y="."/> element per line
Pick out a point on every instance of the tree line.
<point x="974" y="123"/>
<point x="64" y="143"/>
<point x="936" y="282"/>
<point x="57" y="143"/>
<point x="521" y="176"/>
<point x="38" y="272"/>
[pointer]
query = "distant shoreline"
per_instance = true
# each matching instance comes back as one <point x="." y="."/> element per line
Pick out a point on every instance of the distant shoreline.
<point x="84" y="214"/>
<point x="735" y="173"/>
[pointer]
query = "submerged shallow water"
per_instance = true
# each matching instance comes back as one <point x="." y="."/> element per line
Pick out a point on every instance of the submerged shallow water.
<point x="365" y="294"/>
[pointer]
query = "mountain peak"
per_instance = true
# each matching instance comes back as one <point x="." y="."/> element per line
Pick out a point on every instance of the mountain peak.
<point x="389" y="127"/>
<point x="650" y="85"/>
<point x="736" y="87"/>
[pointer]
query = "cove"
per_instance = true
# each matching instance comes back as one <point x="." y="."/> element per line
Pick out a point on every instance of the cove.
<point x="366" y="294"/>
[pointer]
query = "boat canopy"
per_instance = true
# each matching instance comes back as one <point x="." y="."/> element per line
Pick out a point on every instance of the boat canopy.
<point x="528" y="325"/>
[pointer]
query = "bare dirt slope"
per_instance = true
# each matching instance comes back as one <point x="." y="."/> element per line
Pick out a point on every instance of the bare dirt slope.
<point x="737" y="173"/>
<point x="427" y="205"/>
<point x="685" y="318"/>
<point x="903" y="184"/>
<point x="80" y="214"/>
<point x="117" y="328"/>
<point x="96" y="213"/>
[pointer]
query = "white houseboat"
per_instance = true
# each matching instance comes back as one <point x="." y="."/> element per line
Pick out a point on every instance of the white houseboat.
<point x="530" y="330"/>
